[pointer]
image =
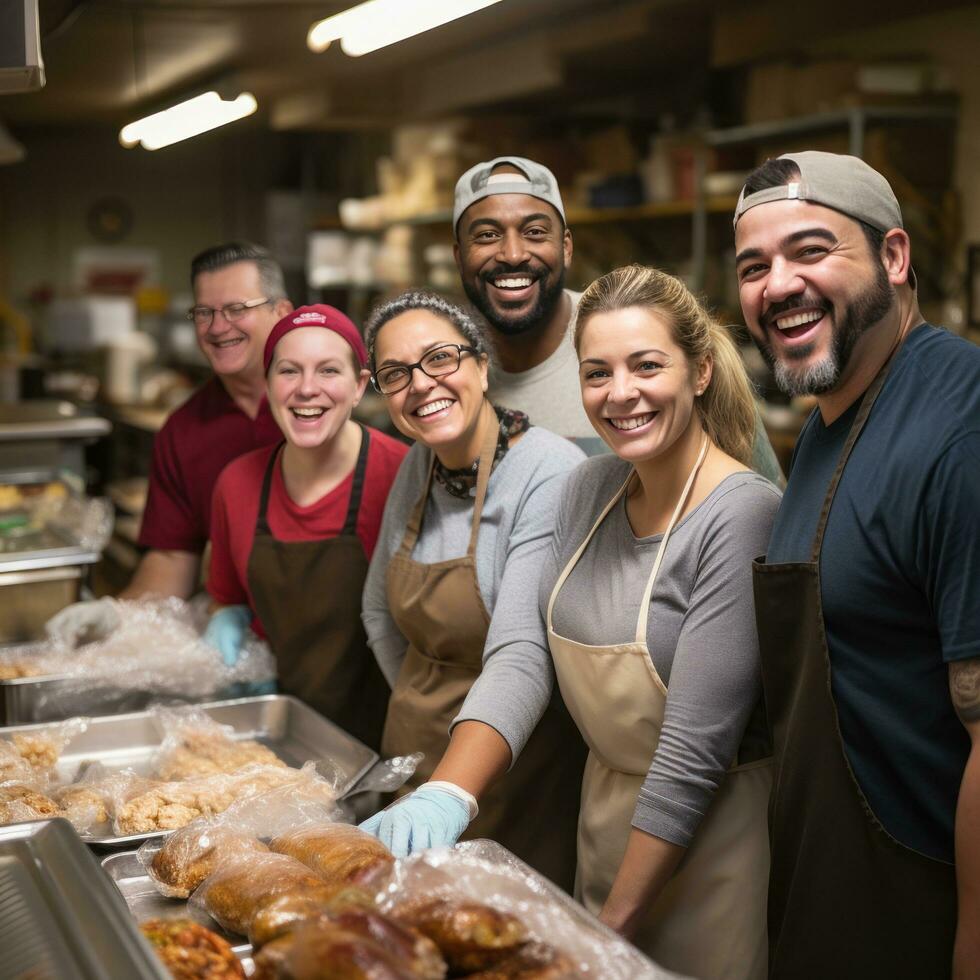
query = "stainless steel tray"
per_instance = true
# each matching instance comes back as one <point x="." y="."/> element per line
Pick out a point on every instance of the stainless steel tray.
<point x="295" y="732"/>
<point x="145" y="902"/>
<point x="60" y="917"/>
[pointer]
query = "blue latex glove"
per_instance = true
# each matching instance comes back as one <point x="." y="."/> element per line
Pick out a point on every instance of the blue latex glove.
<point x="226" y="632"/>
<point x="429" y="817"/>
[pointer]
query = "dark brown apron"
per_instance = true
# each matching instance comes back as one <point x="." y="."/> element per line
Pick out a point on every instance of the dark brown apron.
<point x="307" y="595"/>
<point x="533" y="809"/>
<point x="846" y="900"/>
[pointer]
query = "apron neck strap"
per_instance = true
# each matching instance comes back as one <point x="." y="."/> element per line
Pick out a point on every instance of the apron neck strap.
<point x="641" y="622"/>
<point x="867" y="403"/>
<point x="357" y="487"/>
<point x="261" y="521"/>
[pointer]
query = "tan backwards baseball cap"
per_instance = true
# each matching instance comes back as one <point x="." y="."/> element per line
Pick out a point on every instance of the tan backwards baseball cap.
<point x="835" y="180"/>
<point x="480" y="181"/>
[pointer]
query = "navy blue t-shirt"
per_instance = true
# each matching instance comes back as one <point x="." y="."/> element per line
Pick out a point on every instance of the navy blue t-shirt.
<point x="900" y="578"/>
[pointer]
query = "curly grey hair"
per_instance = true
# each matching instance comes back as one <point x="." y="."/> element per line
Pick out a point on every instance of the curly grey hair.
<point x="420" y="299"/>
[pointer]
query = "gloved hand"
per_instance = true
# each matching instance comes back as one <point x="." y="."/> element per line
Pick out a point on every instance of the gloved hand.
<point x="433" y="816"/>
<point x="83" y="622"/>
<point x="226" y="632"/>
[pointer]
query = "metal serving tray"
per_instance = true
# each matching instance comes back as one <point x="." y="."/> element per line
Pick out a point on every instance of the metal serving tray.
<point x="60" y="917"/>
<point x="295" y="732"/>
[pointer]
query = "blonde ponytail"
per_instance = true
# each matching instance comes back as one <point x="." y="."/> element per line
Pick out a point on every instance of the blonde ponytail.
<point x="726" y="407"/>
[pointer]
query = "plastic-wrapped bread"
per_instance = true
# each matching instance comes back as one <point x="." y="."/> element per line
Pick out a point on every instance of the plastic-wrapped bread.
<point x="190" y="951"/>
<point x="285" y="913"/>
<point x="532" y="961"/>
<point x="471" y="936"/>
<point x="354" y="945"/>
<point x="238" y="889"/>
<point x="337" y="852"/>
<point x="192" y="853"/>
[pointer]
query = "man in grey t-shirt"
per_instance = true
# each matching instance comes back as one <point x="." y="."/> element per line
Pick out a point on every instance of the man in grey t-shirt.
<point x="512" y="248"/>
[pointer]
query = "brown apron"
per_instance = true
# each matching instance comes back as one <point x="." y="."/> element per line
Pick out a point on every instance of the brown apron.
<point x="438" y="607"/>
<point x="307" y="595"/>
<point x="846" y="900"/>
<point x="709" y="921"/>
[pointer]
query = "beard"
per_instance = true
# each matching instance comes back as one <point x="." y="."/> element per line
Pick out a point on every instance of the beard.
<point x="549" y="296"/>
<point x="857" y="318"/>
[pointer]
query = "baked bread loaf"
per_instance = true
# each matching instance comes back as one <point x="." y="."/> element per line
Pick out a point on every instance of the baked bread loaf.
<point x="285" y="913"/>
<point x="337" y="852"/>
<point x="532" y="961"/>
<point x="471" y="936"/>
<point x="190" y="854"/>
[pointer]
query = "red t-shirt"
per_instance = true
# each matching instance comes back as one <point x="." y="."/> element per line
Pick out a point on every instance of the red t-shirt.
<point x="195" y="444"/>
<point x="236" y="508"/>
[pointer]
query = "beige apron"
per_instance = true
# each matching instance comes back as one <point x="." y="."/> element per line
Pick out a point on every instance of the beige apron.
<point x="533" y="809"/>
<point x="710" y="920"/>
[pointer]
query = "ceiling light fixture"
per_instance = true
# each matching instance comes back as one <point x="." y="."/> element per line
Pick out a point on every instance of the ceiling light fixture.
<point x="377" y="23"/>
<point x="186" y="119"/>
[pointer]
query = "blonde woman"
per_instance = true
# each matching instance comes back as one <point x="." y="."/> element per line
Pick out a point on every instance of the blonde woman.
<point x="646" y="617"/>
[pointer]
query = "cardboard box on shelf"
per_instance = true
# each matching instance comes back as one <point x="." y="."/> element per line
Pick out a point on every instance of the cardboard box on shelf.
<point x="782" y="89"/>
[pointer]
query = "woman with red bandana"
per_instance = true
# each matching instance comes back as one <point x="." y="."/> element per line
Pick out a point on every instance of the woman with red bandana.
<point x="294" y="525"/>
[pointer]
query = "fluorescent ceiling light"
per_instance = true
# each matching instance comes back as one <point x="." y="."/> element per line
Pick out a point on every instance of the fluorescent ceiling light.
<point x="376" y="23"/>
<point x="190" y="118"/>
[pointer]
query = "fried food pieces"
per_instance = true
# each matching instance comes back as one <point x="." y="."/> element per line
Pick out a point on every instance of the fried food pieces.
<point x="204" y="752"/>
<point x="356" y="945"/>
<point x="338" y="852"/>
<point x="284" y="913"/>
<point x="82" y="805"/>
<point x="189" y="855"/>
<point x="19" y="802"/>
<point x="471" y="936"/>
<point x="190" y="951"/>
<point x="238" y="890"/>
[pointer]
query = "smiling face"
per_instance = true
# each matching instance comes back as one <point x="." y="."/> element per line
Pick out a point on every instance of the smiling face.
<point x="638" y="387"/>
<point x="511" y="253"/>
<point x="235" y="348"/>
<point x="313" y="386"/>
<point x="810" y="288"/>
<point x="442" y="413"/>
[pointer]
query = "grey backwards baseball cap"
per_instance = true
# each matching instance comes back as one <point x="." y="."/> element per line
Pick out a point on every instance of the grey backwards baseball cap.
<point x="835" y="180"/>
<point x="480" y="181"/>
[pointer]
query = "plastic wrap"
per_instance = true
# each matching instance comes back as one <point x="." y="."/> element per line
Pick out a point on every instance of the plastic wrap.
<point x="189" y="855"/>
<point x="238" y="889"/>
<point x="33" y="754"/>
<point x="22" y="801"/>
<point x="194" y="745"/>
<point x="154" y="645"/>
<point x="88" y="521"/>
<point x="191" y="952"/>
<point x="482" y="874"/>
<point x="356" y="943"/>
<point x="337" y="852"/>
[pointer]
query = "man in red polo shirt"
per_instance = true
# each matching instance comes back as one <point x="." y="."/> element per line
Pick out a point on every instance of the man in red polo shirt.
<point x="239" y="296"/>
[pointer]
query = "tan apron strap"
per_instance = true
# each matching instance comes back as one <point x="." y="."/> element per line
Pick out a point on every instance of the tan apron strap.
<point x="573" y="561"/>
<point x="487" y="452"/>
<point x="641" y="623"/>
<point x="414" y="524"/>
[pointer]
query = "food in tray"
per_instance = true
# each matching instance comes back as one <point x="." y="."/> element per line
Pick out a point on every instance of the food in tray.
<point x="14" y="495"/>
<point x="171" y="805"/>
<point x="353" y="945"/>
<point x="532" y="961"/>
<point x="287" y="912"/>
<point x="208" y="752"/>
<point x="238" y="890"/>
<point x="82" y="805"/>
<point x="338" y="852"/>
<point x="471" y="936"/>
<point x="19" y="802"/>
<point x="189" y="855"/>
<point x="38" y="749"/>
<point x="15" y="669"/>
<point x="190" y="951"/>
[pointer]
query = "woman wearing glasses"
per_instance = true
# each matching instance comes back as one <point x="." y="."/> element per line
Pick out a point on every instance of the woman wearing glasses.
<point x="294" y="525"/>
<point x="466" y="528"/>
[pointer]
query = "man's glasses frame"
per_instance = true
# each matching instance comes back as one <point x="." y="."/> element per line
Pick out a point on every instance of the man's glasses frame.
<point x="203" y="316"/>
<point x="434" y="364"/>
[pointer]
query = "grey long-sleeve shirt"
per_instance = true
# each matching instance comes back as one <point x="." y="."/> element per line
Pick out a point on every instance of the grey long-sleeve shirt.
<point x="701" y="634"/>
<point x="514" y="539"/>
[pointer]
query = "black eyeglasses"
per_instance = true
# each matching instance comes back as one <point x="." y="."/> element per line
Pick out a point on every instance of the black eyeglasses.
<point x="436" y="363"/>
<point x="203" y="316"/>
